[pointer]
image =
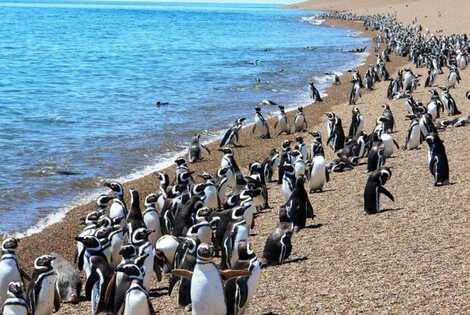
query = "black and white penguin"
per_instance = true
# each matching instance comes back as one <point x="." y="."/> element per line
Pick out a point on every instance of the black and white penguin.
<point x="317" y="145"/>
<point x="437" y="160"/>
<point x="195" y="149"/>
<point x="298" y="207"/>
<point x="300" y="122"/>
<point x="144" y="248"/>
<point x="16" y="302"/>
<point x="137" y="299"/>
<point x="209" y="195"/>
<point x="449" y="103"/>
<point x="314" y="93"/>
<point x="288" y="181"/>
<point x="278" y="245"/>
<point x="207" y="283"/>
<point x="319" y="174"/>
<point x="434" y="106"/>
<point x="375" y="187"/>
<point x="260" y="125"/>
<point x="43" y="292"/>
<point x="335" y="130"/>
<point x="283" y="159"/>
<point x="270" y="163"/>
<point x="232" y="135"/>
<point x="183" y="176"/>
<point x="282" y="123"/>
<point x="134" y="218"/>
<point x="426" y="125"/>
<point x="355" y="93"/>
<point x="225" y="182"/>
<point x="388" y="143"/>
<point x="10" y="270"/>
<point x="453" y="78"/>
<point x="118" y="208"/>
<point x="413" y="136"/>
<point x="388" y="119"/>
<point x="151" y="218"/>
<point x="357" y="123"/>
<point x="376" y="157"/>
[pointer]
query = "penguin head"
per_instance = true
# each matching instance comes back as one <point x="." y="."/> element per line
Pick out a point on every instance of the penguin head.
<point x="299" y="139"/>
<point x="281" y="108"/>
<point x="103" y="199"/>
<point x="201" y="231"/>
<point x="151" y="199"/>
<point x="104" y="221"/>
<point x="205" y="253"/>
<point x="133" y="271"/>
<point x="180" y="162"/>
<point x="15" y="289"/>
<point x="258" y="109"/>
<point x="92" y="218"/>
<point x="198" y="189"/>
<point x="44" y="262"/>
<point x="202" y="214"/>
<point x="356" y="110"/>
<point x="330" y="115"/>
<point x="163" y="178"/>
<point x="205" y="176"/>
<point x="240" y="121"/>
<point x="116" y="187"/>
<point x="300" y="109"/>
<point x="226" y="150"/>
<point x="286" y="144"/>
<point x="90" y="242"/>
<point x="128" y="251"/>
<point x="140" y="236"/>
<point x="245" y="252"/>
<point x="223" y="172"/>
<point x="385" y="174"/>
<point x="10" y="244"/>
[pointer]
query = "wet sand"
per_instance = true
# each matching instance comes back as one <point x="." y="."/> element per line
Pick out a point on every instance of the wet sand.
<point x="411" y="258"/>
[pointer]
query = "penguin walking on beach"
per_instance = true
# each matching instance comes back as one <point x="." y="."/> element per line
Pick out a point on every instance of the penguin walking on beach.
<point x="388" y="143"/>
<point x="335" y="132"/>
<point x="283" y="159"/>
<point x="298" y="207"/>
<point x="118" y="207"/>
<point x="301" y="147"/>
<point x="288" y="181"/>
<point x="134" y="218"/>
<point x="388" y="119"/>
<point x="282" y="123"/>
<point x="207" y="283"/>
<point x="413" y="136"/>
<point x="437" y="160"/>
<point x="137" y="299"/>
<point x="44" y="294"/>
<point x="278" y="245"/>
<point x="151" y="218"/>
<point x="261" y="125"/>
<point x="195" y="149"/>
<point x="435" y="106"/>
<point x="453" y="78"/>
<point x="355" y="93"/>
<point x="374" y="188"/>
<point x="232" y="135"/>
<point x="300" y="122"/>
<point x="10" y="270"/>
<point x="357" y="123"/>
<point x="314" y="93"/>
<point x="319" y="174"/>
<point x="16" y="302"/>
<point x="376" y="157"/>
<point x="449" y="103"/>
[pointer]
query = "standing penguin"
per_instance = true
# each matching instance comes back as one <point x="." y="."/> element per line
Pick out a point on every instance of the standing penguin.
<point x="453" y="78"/>
<point x="278" y="245"/>
<point x="151" y="218"/>
<point x="298" y="207"/>
<point x="261" y="125"/>
<point x="288" y="181"/>
<point x="300" y="122"/>
<point x="374" y="188"/>
<point x="195" y="149"/>
<point x="318" y="174"/>
<point x="314" y="93"/>
<point x="388" y="143"/>
<point x="137" y="299"/>
<point x="450" y="104"/>
<point x="335" y="132"/>
<point x="118" y="208"/>
<point x="413" y="136"/>
<point x="437" y="160"/>
<point x="283" y="159"/>
<point x="43" y="294"/>
<point x="357" y="123"/>
<point x="207" y="287"/>
<point x="10" y="270"/>
<point x="232" y="135"/>
<point x="282" y="123"/>
<point x="376" y="157"/>
<point x="16" y="302"/>
<point x="134" y="218"/>
<point x="302" y="147"/>
<point x="388" y="119"/>
<point x="355" y="93"/>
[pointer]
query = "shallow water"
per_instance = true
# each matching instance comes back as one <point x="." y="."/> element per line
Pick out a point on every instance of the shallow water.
<point x="79" y="80"/>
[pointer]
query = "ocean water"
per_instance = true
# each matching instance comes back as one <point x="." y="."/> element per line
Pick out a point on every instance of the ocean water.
<point x="79" y="80"/>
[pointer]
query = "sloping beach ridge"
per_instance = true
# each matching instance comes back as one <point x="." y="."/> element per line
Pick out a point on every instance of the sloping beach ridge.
<point x="412" y="258"/>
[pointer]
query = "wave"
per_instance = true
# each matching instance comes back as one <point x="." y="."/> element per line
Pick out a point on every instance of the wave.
<point x="314" y="20"/>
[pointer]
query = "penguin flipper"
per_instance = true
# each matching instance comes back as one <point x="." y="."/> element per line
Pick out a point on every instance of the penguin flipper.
<point x="109" y="293"/>
<point x="90" y="282"/>
<point x="384" y="191"/>
<point x="327" y="174"/>
<point x="56" y="299"/>
<point x="24" y="275"/>
<point x="183" y="273"/>
<point x="151" y="309"/>
<point x="229" y="273"/>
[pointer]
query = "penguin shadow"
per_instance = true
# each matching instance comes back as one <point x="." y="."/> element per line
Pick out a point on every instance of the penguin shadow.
<point x="157" y="292"/>
<point x="322" y="191"/>
<point x="270" y="313"/>
<point x="390" y="210"/>
<point x="295" y="260"/>
<point x="314" y="226"/>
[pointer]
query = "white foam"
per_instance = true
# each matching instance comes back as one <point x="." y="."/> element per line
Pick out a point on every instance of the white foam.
<point x="314" y="20"/>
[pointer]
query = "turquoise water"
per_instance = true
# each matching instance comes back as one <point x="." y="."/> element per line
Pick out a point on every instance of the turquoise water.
<point x="79" y="80"/>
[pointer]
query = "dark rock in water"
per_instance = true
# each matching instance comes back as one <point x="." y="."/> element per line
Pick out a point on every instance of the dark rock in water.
<point x="68" y="280"/>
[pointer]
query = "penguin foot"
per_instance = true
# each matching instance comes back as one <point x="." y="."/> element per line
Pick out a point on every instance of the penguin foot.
<point x="188" y="308"/>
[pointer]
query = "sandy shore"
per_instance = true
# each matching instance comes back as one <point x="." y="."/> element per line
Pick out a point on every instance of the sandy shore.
<point x="412" y="259"/>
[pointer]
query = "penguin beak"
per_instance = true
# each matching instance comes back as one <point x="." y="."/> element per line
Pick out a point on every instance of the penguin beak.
<point x="107" y="184"/>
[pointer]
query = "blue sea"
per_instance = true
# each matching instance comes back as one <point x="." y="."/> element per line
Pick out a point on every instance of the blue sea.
<point x="79" y="82"/>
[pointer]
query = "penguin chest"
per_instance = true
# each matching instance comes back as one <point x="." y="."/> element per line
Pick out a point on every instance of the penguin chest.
<point x="318" y="176"/>
<point x="116" y="211"/>
<point x="414" y="137"/>
<point x="299" y="122"/>
<point x="8" y="273"/>
<point x="282" y="122"/>
<point x="287" y="188"/>
<point x="152" y="222"/>
<point x="260" y="126"/>
<point x="210" y="194"/>
<point x="14" y="309"/>
<point x="207" y="292"/>
<point x="388" y="144"/>
<point x="136" y="303"/>
<point x="45" y="302"/>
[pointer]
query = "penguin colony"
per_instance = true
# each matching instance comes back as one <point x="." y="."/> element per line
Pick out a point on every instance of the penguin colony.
<point x="196" y="233"/>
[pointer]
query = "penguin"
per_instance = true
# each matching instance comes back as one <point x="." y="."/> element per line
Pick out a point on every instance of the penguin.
<point x="355" y="93"/>
<point x="319" y="174"/>
<point x="235" y="176"/>
<point x="261" y="125"/>
<point x="435" y="106"/>
<point x="283" y="159"/>
<point x="151" y="218"/>
<point x="137" y="299"/>
<point x="232" y="135"/>
<point x="317" y="146"/>
<point x="300" y="122"/>
<point x="210" y="194"/>
<point x="426" y="125"/>
<point x="302" y="147"/>
<point x="270" y="163"/>
<point x="335" y="132"/>
<point x="298" y="207"/>
<point x="16" y="302"/>
<point x="10" y="270"/>
<point x="437" y="160"/>
<point x="388" y="119"/>
<point x="195" y="149"/>
<point x="388" y="143"/>
<point x="375" y="187"/>
<point x="453" y="78"/>
<point x="43" y="292"/>
<point x="183" y="176"/>
<point x="288" y="181"/>
<point x="278" y="245"/>
<point x="461" y="59"/>
<point x="282" y="123"/>
<point x="357" y="123"/>
<point x="299" y="163"/>
<point x="236" y="233"/>
<point x="225" y="181"/>
<point x="118" y="208"/>
<point x="376" y="157"/>
<point x="449" y="104"/>
<point x="207" y="287"/>
<point x="134" y="218"/>
<point x="239" y="291"/>
<point x="413" y="136"/>
<point x="314" y="93"/>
